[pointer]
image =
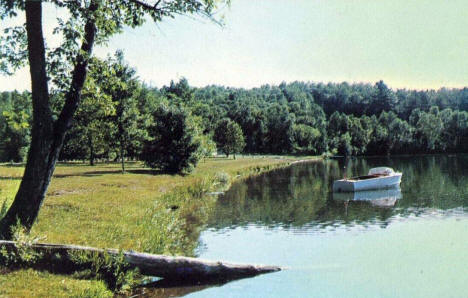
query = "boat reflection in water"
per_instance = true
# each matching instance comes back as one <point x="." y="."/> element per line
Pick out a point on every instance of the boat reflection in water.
<point x="379" y="198"/>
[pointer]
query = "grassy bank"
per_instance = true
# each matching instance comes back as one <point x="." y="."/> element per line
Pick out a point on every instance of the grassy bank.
<point x="140" y="210"/>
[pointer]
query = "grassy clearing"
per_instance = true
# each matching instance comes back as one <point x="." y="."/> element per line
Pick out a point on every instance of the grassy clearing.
<point x="139" y="210"/>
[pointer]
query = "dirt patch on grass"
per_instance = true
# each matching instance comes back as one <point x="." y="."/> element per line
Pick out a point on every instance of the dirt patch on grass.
<point x="120" y="185"/>
<point x="67" y="207"/>
<point x="62" y="192"/>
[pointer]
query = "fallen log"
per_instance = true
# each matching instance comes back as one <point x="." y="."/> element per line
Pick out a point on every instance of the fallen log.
<point x="59" y="257"/>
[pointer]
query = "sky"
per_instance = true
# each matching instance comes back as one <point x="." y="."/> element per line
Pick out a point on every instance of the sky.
<point x="414" y="44"/>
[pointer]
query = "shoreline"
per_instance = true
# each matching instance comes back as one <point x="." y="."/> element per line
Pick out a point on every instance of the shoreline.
<point x="90" y="199"/>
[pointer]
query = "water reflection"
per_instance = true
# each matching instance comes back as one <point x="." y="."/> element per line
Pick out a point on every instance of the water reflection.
<point x="349" y="246"/>
<point x="379" y="198"/>
<point x="301" y="197"/>
<point x="176" y="288"/>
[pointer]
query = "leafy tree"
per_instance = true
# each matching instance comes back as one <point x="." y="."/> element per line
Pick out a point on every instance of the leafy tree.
<point x="253" y="122"/>
<point x="359" y="136"/>
<point x="207" y="145"/>
<point x="400" y="136"/>
<point x="174" y="146"/>
<point x="383" y="100"/>
<point x="91" y="129"/>
<point x="90" y="22"/>
<point x="118" y="80"/>
<point x="306" y="139"/>
<point x="15" y="118"/>
<point x="179" y="92"/>
<point x="427" y="132"/>
<point x="343" y="144"/>
<point x="279" y="136"/>
<point x="229" y="138"/>
<point x="455" y="130"/>
<point x="378" y="137"/>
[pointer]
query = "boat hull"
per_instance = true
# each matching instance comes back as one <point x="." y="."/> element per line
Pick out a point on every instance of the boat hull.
<point x="383" y="182"/>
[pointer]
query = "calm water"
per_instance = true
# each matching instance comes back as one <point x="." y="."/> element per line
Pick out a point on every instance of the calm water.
<point x="408" y="244"/>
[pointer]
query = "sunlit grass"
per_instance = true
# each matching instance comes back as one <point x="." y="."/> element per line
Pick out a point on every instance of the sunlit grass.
<point x="139" y="210"/>
<point x="28" y="282"/>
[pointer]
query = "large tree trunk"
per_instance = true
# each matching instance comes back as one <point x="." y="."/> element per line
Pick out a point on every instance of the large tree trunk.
<point x="174" y="268"/>
<point x="46" y="136"/>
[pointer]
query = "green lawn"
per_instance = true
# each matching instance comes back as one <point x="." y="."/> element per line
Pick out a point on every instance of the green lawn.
<point x="139" y="210"/>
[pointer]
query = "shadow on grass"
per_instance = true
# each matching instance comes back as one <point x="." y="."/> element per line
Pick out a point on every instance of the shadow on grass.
<point x="13" y="165"/>
<point x="111" y="172"/>
<point x="100" y="164"/>
<point x="160" y="288"/>
<point x="10" y="178"/>
<point x="99" y="173"/>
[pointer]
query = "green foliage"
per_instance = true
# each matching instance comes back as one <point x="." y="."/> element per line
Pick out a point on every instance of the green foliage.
<point x="172" y="225"/>
<point x="120" y="83"/>
<point x="229" y="137"/>
<point x="180" y="92"/>
<point x="4" y="208"/>
<point x="22" y="255"/>
<point x="207" y="145"/>
<point x="306" y="139"/>
<point x="92" y="127"/>
<point x="222" y="178"/>
<point x="110" y="121"/>
<point x="287" y="119"/>
<point x="174" y="145"/>
<point x="111" y="268"/>
<point x="15" y="119"/>
<point x="428" y="130"/>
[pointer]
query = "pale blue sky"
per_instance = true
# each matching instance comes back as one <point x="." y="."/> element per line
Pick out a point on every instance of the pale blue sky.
<point x="407" y="43"/>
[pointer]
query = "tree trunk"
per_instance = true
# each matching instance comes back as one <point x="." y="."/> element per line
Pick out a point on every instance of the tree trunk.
<point x="91" y="150"/>
<point x="178" y="268"/>
<point x="46" y="136"/>
<point x="122" y="157"/>
<point x="121" y="131"/>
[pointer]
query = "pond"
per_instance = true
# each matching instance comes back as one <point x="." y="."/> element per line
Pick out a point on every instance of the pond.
<point x="412" y="243"/>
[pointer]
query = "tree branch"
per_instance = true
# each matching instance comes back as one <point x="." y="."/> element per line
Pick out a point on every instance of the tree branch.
<point x="73" y="96"/>
<point x="170" y="9"/>
<point x="37" y="62"/>
<point x="146" y="5"/>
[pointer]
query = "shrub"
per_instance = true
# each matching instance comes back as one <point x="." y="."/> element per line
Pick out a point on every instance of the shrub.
<point x="229" y="137"/>
<point x="174" y="146"/>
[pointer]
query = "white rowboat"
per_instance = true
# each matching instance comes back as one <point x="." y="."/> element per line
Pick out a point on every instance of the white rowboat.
<point x="378" y="178"/>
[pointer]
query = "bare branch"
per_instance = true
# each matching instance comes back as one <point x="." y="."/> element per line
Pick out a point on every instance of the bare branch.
<point x="146" y="5"/>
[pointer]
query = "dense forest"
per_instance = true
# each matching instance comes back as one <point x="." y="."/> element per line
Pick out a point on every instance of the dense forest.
<point x="172" y="127"/>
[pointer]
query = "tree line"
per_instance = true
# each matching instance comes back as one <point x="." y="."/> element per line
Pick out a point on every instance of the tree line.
<point x="173" y="127"/>
<point x="345" y="119"/>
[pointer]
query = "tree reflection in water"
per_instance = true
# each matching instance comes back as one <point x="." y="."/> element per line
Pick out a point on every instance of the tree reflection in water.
<point x="300" y="196"/>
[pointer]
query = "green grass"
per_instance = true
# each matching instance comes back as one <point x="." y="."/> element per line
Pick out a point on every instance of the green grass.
<point x="139" y="210"/>
<point x="28" y="283"/>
